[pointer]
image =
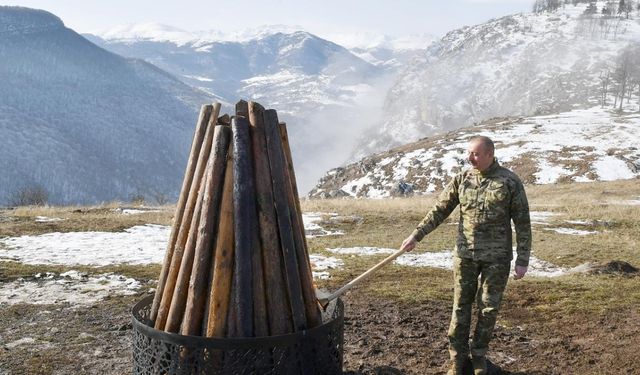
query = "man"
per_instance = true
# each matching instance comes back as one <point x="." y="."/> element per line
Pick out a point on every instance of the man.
<point x="490" y="197"/>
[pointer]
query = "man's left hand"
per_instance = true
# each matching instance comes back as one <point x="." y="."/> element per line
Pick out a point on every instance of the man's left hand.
<point x="519" y="272"/>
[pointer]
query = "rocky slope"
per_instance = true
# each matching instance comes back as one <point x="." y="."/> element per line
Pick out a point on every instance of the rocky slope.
<point x="577" y="146"/>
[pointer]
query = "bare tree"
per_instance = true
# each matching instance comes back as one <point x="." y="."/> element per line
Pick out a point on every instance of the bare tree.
<point x="625" y="7"/>
<point x="591" y="8"/>
<point x="33" y="195"/>
<point x="604" y="86"/>
<point x="626" y="72"/>
<point x="553" y="5"/>
<point x="137" y="199"/>
<point x="160" y="198"/>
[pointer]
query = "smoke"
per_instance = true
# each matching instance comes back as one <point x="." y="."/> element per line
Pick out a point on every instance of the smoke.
<point x="328" y="138"/>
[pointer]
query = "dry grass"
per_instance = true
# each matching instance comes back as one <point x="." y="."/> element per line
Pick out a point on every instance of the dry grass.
<point x="106" y="218"/>
<point x="385" y="223"/>
<point x="545" y="307"/>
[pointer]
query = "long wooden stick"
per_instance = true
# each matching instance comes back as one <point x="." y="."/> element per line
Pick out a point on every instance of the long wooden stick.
<point x="260" y="319"/>
<point x="179" y="297"/>
<point x="185" y="225"/>
<point x="312" y="310"/>
<point x="222" y="271"/>
<point x="277" y="164"/>
<point x="196" y="144"/>
<point x="245" y="226"/>
<point x="278" y="310"/>
<point x="208" y="223"/>
<point x="325" y="301"/>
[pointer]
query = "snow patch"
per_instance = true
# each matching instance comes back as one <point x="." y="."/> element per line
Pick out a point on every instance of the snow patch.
<point x="444" y="260"/>
<point x="542" y="217"/>
<point x="320" y="264"/>
<point x="44" y="219"/>
<point x="22" y="341"/>
<point x="571" y="231"/>
<point x="141" y="244"/>
<point x="312" y="227"/>
<point x="363" y="250"/>
<point x="71" y="287"/>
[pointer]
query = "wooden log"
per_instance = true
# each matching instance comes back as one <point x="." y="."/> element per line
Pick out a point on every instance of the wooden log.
<point x="222" y="272"/>
<point x="245" y="226"/>
<point x="277" y="301"/>
<point x="224" y="120"/>
<point x="242" y="109"/>
<point x="286" y="146"/>
<point x="260" y="318"/>
<point x="232" y="314"/>
<point x="196" y="144"/>
<point x="312" y="310"/>
<point x="277" y="164"/>
<point x="192" y="322"/>
<point x="179" y="297"/>
<point x="185" y="225"/>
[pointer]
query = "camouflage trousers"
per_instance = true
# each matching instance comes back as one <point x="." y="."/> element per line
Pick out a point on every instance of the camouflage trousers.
<point x="485" y="282"/>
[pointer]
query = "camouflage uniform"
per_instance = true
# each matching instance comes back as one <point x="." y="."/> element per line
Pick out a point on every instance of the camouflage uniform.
<point x="488" y="201"/>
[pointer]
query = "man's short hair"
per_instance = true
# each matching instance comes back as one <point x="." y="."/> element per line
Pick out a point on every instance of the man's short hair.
<point x="486" y="142"/>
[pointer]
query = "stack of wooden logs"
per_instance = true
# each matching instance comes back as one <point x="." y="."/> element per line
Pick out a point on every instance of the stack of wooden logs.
<point x="237" y="263"/>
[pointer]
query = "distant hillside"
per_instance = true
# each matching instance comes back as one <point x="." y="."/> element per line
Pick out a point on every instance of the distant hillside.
<point x="519" y="65"/>
<point x="83" y="123"/>
<point x="576" y="146"/>
<point x="327" y="94"/>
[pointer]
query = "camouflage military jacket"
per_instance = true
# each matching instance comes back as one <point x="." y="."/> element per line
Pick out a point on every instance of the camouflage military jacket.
<point x="488" y="201"/>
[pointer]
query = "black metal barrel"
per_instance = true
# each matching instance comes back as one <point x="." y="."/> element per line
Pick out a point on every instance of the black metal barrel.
<point x="313" y="351"/>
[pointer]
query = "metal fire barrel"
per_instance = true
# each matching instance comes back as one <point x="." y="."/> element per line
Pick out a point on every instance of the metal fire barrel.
<point x="317" y="350"/>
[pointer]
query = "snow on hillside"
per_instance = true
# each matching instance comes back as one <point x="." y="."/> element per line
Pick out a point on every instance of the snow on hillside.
<point x="519" y="65"/>
<point x="158" y="32"/>
<point x="581" y="145"/>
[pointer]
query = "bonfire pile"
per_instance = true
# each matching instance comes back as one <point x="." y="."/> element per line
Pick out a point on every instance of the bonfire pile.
<point x="237" y="263"/>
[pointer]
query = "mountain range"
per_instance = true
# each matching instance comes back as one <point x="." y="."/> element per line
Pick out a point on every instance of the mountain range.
<point x="106" y="116"/>
<point x="327" y="93"/>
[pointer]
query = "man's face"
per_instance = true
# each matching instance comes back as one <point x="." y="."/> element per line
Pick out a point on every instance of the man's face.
<point x="479" y="157"/>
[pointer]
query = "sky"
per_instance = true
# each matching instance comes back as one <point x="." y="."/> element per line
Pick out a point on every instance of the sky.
<point x="389" y="17"/>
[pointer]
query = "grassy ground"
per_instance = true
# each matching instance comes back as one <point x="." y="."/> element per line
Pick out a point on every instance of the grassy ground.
<point x="595" y="314"/>
<point x="385" y="223"/>
<point x="582" y="309"/>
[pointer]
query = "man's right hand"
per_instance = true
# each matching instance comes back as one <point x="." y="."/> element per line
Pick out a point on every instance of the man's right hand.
<point x="408" y="244"/>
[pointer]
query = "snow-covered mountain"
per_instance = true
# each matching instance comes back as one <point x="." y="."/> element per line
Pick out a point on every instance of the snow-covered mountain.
<point x="326" y="93"/>
<point x="581" y="145"/>
<point x="392" y="53"/>
<point x="83" y="123"/>
<point x="524" y="64"/>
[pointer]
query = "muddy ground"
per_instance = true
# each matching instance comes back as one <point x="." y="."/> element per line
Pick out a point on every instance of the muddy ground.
<point x="381" y="337"/>
<point x="385" y="337"/>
